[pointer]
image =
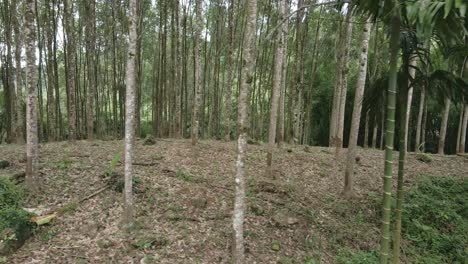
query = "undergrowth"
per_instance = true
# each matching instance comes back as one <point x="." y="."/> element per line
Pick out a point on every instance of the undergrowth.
<point x="15" y="225"/>
<point x="434" y="224"/>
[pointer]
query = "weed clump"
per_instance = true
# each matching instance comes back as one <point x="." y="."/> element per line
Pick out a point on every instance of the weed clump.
<point x="15" y="224"/>
<point x="434" y="220"/>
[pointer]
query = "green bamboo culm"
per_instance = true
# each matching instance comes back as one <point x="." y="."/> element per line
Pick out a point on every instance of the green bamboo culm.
<point x="401" y="173"/>
<point x="389" y="135"/>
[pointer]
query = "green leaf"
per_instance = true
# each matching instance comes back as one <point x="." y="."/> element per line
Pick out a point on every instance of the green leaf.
<point x="448" y="7"/>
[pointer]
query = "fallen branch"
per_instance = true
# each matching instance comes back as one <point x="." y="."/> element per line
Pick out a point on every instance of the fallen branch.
<point x="94" y="193"/>
<point x="145" y="164"/>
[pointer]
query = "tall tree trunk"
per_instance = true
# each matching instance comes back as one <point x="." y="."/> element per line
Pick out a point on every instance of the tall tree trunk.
<point x="130" y="111"/>
<point x="339" y="96"/>
<point x="278" y="69"/>
<point x="366" y="131"/>
<point x="423" y="129"/>
<point x="32" y="148"/>
<point x="280" y="127"/>
<point x="51" y="109"/>
<point x="90" y="53"/>
<point x="246" y="81"/>
<point x="461" y="146"/>
<point x="71" y="76"/>
<point x="419" y="121"/>
<point x="9" y="89"/>
<point x="19" y="72"/>
<point x="412" y="71"/>
<point x="198" y="81"/>
<point x="353" y="135"/>
<point x="443" y="126"/>
<point x="374" y="133"/>
<point x="404" y="100"/>
<point x="389" y="135"/>
<point x="230" y="72"/>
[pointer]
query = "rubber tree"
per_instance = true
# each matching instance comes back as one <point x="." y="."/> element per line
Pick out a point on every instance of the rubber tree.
<point x="356" y="117"/>
<point x="248" y="66"/>
<point x="277" y="77"/>
<point x="130" y="101"/>
<point x="32" y="148"/>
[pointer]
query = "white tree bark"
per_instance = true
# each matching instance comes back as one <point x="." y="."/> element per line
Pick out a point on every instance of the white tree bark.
<point x="32" y="151"/>
<point x="420" y="117"/>
<point x="277" y="76"/>
<point x="248" y="67"/>
<point x="353" y="136"/>
<point x="130" y="112"/>
<point x="443" y="126"/>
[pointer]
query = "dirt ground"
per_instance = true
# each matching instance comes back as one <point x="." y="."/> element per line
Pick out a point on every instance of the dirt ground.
<point x="184" y="201"/>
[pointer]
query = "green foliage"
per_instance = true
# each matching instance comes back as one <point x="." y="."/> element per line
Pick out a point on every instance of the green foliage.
<point x="64" y="164"/>
<point x="435" y="220"/>
<point x="183" y="175"/>
<point x="110" y="170"/>
<point x="150" y="243"/>
<point x="10" y="194"/>
<point x="15" y="224"/>
<point x="15" y="228"/>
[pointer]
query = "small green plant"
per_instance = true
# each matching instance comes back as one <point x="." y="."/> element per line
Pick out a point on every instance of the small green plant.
<point x="10" y="194"/>
<point x="183" y="175"/>
<point x="311" y="260"/>
<point x="64" y="164"/>
<point x="110" y="170"/>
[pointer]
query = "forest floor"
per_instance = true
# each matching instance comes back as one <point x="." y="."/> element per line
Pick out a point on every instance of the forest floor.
<point x="184" y="199"/>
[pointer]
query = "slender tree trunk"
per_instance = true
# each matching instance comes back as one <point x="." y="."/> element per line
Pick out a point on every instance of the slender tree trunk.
<point x="278" y="69"/>
<point x="412" y="71"/>
<point x="70" y="32"/>
<point x="366" y="131"/>
<point x="280" y="127"/>
<point x="419" y="121"/>
<point x="32" y="149"/>
<point x="389" y="135"/>
<point x="198" y="81"/>
<point x="230" y="72"/>
<point x="461" y="146"/>
<point x="9" y="89"/>
<point x="443" y="126"/>
<point x="339" y="97"/>
<point x="246" y="81"/>
<point x="374" y="133"/>
<point x="51" y="109"/>
<point x="404" y="100"/>
<point x="130" y="111"/>
<point x="90" y="53"/>
<point x="353" y="136"/>
<point x="19" y="72"/>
